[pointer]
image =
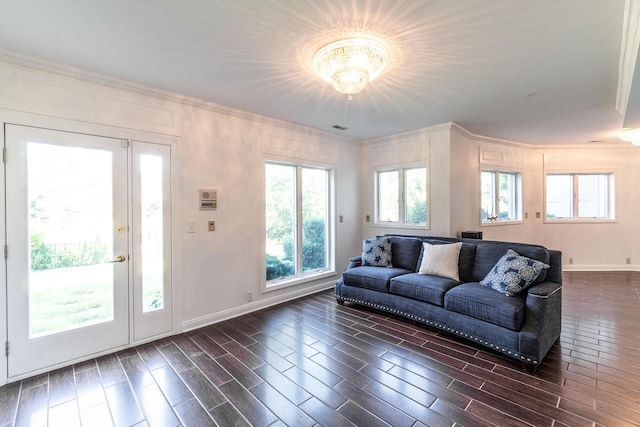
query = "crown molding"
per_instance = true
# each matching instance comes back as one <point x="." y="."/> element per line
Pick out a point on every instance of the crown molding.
<point x="488" y="139"/>
<point x="409" y="134"/>
<point x="38" y="64"/>
<point x="628" y="53"/>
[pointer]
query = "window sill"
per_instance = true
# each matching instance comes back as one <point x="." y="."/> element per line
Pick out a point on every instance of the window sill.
<point x="498" y="223"/>
<point x="294" y="281"/>
<point x="420" y="226"/>
<point x="581" y="221"/>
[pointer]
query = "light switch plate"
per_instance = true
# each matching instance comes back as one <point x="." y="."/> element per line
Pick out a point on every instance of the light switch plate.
<point x="212" y="226"/>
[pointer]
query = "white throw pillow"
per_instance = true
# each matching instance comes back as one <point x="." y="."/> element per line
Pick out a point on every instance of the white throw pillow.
<point x="441" y="260"/>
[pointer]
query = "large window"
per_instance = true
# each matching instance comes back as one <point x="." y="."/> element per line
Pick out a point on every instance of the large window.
<point x="501" y="199"/>
<point x="401" y="196"/>
<point x="298" y="228"/>
<point x="579" y="196"/>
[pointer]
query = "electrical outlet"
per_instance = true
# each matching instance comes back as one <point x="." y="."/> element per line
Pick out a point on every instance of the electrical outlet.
<point x="212" y="226"/>
<point x="249" y="296"/>
<point x="537" y="214"/>
<point x="628" y="260"/>
<point x="570" y="260"/>
<point x="367" y="218"/>
<point x="341" y="218"/>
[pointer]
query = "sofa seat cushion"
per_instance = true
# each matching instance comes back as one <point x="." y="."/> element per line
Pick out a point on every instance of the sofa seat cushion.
<point x="431" y="289"/>
<point x="486" y="304"/>
<point x="376" y="278"/>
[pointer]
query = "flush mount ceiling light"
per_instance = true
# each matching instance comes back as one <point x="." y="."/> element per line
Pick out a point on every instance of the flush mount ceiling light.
<point x="632" y="136"/>
<point x="350" y="64"/>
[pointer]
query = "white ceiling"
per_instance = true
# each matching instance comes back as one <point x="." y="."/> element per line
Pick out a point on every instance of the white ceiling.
<point x="533" y="71"/>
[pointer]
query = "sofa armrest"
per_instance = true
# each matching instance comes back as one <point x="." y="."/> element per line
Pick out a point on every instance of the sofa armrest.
<point x="543" y="320"/>
<point x="544" y="289"/>
<point x="354" y="262"/>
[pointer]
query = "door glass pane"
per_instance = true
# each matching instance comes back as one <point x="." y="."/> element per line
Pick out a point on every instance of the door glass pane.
<point x="388" y="196"/>
<point x="151" y="228"/>
<point x="415" y="189"/>
<point x="314" y="219"/>
<point x="559" y="196"/>
<point x="70" y="228"/>
<point x="280" y="195"/>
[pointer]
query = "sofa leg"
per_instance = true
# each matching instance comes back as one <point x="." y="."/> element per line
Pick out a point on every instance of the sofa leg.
<point x="529" y="367"/>
<point x="339" y="301"/>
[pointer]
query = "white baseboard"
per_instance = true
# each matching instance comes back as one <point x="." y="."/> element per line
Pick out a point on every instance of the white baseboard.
<point x="607" y="267"/>
<point x="253" y="306"/>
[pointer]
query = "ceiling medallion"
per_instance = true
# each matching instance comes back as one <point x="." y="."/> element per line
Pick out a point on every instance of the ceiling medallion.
<point x="350" y="64"/>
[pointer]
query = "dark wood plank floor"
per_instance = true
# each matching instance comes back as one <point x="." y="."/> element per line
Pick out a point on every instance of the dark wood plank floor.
<point x="313" y="362"/>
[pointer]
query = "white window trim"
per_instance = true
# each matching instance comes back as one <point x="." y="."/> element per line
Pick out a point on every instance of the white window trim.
<point x="519" y="201"/>
<point x="401" y="202"/>
<point x="612" y="219"/>
<point x="308" y="277"/>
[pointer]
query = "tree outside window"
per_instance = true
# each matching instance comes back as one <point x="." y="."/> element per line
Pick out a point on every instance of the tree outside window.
<point x="297" y="221"/>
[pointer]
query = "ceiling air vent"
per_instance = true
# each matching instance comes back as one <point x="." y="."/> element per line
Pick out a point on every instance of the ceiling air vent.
<point x="339" y="127"/>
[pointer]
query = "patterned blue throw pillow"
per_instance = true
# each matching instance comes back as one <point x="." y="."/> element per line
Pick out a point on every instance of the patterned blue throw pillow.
<point x="513" y="273"/>
<point x="377" y="252"/>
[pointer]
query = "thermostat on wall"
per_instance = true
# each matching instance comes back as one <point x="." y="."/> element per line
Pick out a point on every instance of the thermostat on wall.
<point x="208" y="199"/>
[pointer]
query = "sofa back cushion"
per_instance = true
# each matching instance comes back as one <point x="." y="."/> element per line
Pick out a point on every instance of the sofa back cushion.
<point x="488" y="253"/>
<point x="405" y="252"/>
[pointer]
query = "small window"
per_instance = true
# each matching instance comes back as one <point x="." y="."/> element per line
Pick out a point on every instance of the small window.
<point x="401" y="196"/>
<point x="501" y="199"/>
<point x="579" y="196"/>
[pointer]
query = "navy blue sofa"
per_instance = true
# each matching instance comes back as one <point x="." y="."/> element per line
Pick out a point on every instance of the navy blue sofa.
<point x="523" y="327"/>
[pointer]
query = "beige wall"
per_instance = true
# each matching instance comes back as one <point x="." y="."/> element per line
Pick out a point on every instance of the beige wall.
<point x="465" y="184"/>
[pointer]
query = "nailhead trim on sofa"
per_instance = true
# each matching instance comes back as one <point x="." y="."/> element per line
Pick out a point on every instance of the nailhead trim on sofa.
<point x="443" y="327"/>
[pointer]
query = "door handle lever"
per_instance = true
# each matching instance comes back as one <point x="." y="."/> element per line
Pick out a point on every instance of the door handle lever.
<point x="119" y="258"/>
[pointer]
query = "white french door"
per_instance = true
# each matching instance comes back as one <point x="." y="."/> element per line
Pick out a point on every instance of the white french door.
<point x="88" y="238"/>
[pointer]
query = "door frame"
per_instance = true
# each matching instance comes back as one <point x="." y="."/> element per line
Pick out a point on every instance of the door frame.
<point x="67" y="125"/>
